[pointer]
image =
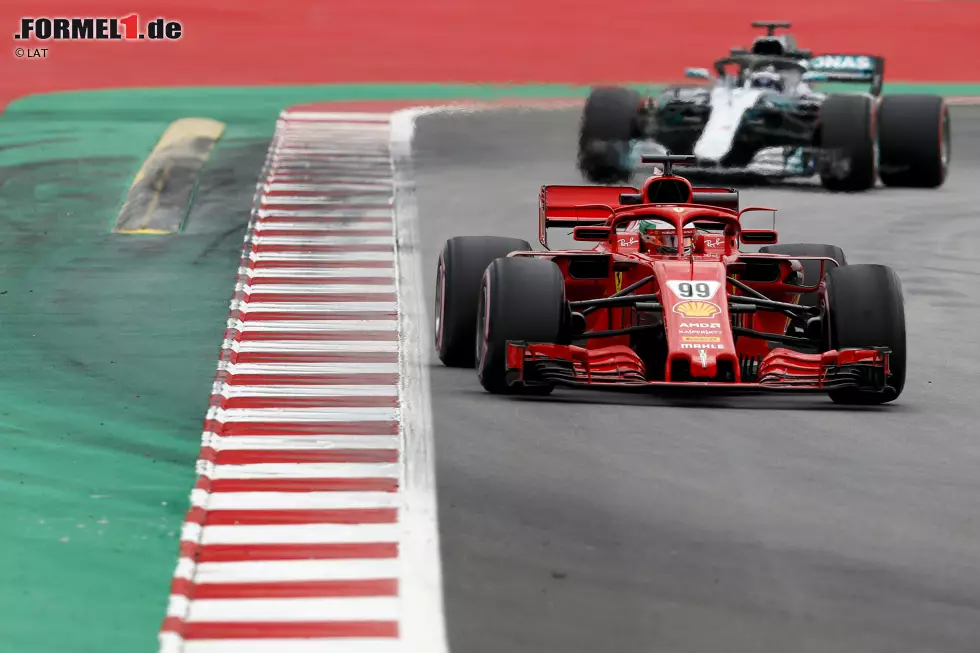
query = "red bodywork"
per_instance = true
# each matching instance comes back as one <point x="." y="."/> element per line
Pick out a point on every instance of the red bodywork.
<point x="713" y="338"/>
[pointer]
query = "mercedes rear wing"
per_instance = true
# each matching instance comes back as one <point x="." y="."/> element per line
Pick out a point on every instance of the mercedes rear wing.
<point x="848" y="68"/>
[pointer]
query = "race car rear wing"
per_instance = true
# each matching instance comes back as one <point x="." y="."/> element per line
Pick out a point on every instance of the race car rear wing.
<point x="852" y="68"/>
<point x="590" y="206"/>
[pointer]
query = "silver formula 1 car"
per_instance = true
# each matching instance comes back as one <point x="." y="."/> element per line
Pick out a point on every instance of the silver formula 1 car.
<point x="759" y="114"/>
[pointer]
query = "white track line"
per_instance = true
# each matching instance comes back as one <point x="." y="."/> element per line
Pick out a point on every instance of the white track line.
<point x="292" y="534"/>
<point x="354" y="241"/>
<point x="308" y="391"/>
<point x="299" y="326"/>
<point x="313" y="645"/>
<point x="299" y="346"/>
<point x="329" y="214"/>
<point x="300" y="442"/>
<point x="363" y="256"/>
<point x="350" y="224"/>
<point x="316" y="288"/>
<point x="292" y="369"/>
<point x="348" y="414"/>
<point x="423" y="621"/>
<point x="306" y="609"/>
<point x="300" y="470"/>
<point x="315" y="307"/>
<point x="296" y="570"/>
<point x="352" y="274"/>
<point x="301" y="500"/>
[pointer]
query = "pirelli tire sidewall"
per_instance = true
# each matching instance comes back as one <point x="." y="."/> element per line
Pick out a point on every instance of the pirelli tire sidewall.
<point x="522" y="299"/>
<point x="866" y="308"/>
<point x="459" y="273"/>
<point x="914" y="140"/>
<point x="848" y="133"/>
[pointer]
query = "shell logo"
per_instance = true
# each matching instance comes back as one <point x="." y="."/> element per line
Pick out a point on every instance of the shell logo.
<point x="697" y="309"/>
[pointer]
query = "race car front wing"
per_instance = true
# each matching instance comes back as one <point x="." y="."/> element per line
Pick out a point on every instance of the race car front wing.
<point x="776" y="162"/>
<point x="619" y="367"/>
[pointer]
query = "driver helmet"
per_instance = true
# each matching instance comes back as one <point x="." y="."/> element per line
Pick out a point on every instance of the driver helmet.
<point x="663" y="238"/>
<point x="766" y="79"/>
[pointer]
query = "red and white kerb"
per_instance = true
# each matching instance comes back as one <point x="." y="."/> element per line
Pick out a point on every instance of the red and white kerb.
<point x="292" y="541"/>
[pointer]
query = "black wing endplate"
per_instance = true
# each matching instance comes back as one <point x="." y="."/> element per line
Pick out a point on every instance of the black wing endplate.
<point x="857" y="68"/>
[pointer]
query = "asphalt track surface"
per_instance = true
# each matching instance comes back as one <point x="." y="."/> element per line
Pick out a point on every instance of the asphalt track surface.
<point x="588" y="522"/>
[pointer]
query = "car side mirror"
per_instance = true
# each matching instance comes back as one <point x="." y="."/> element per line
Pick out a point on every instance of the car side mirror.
<point x="758" y="237"/>
<point x="697" y="73"/>
<point x="599" y="234"/>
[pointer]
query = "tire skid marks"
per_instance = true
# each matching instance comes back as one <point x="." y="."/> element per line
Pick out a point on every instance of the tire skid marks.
<point x="291" y="542"/>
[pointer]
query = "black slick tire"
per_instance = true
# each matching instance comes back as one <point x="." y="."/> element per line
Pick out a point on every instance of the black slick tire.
<point x="865" y="308"/>
<point x="914" y="140"/>
<point x="459" y="273"/>
<point x="608" y="125"/>
<point x="520" y="299"/>
<point x="847" y="129"/>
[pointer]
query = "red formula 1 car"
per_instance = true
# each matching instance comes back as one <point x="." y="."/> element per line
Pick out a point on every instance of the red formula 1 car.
<point x="665" y="297"/>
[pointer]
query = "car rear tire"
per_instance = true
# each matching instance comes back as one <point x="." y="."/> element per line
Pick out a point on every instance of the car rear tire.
<point x="608" y="125"/>
<point x="847" y="126"/>
<point x="866" y="309"/>
<point x="458" y="276"/>
<point x="811" y="269"/>
<point x="520" y="299"/>
<point x="914" y="138"/>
